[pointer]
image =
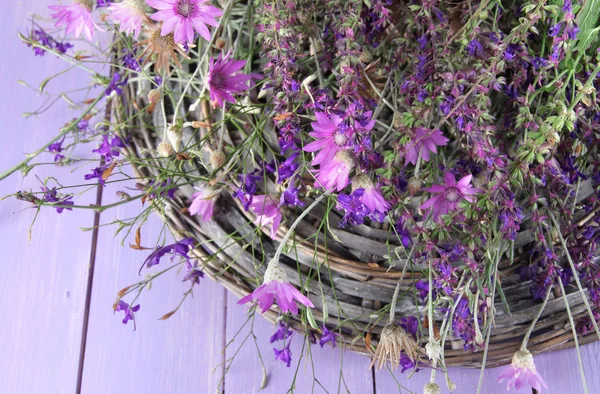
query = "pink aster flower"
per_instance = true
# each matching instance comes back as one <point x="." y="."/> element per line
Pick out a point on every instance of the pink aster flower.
<point x="328" y="138"/>
<point x="424" y="141"/>
<point x="182" y="17"/>
<point x="277" y="287"/>
<point x="449" y="195"/>
<point x="221" y="81"/>
<point x="335" y="174"/>
<point x="129" y="14"/>
<point x="267" y="211"/>
<point x="522" y="372"/>
<point x="371" y="196"/>
<point x="77" y="17"/>
<point x="203" y="202"/>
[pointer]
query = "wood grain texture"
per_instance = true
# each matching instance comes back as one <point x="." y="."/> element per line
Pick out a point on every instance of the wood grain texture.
<point x="245" y="373"/>
<point x="43" y="283"/>
<point x="173" y="356"/>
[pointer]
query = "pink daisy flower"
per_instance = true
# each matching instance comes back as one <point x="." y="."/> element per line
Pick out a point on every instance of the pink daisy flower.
<point x="335" y="174"/>
<point x="268" y="213"/>
<point x="424" y="141"/>
<point x="203" y="202"/>
<point x="77" y="17"/>
<point x="276" y="287"/>
<point x="449" y="195"/>
<point x="182" y="17"/>
<point x="221" y="81"/>
<point x="129" y="14"/>
<point x="328" y="138"/>
<point x="522" y="372"/>
<point x="371" y="197"/>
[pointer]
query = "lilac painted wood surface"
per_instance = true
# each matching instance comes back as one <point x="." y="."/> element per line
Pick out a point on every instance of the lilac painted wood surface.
<point x="43" y="291"/>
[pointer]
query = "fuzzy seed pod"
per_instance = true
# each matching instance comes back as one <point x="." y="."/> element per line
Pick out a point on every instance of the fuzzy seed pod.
<point x="414" y="185"/>
<point x="220" y="43"/>
<point x="432" y="388"/>
<point x="154" y="96"/>
<point x="217" y="159"/>
<point x="165" y="149"/>
<point x="174" y="136"/>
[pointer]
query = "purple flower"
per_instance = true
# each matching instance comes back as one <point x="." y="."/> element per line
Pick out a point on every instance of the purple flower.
<point x="168" y="189"/>
<point x="423" y="142"/>
<point x="448" y="195"/>
<point x="194" y="274"/>
<point x="129" y="311"/>
<point x="109" y="149"/>
<point x="180" y="248"/>
<point x="115" y="85"/>
<point x="52" y="197"/>
<point x="282" y="333"/>
<point x="98" y="172"/>
<point x="335" y="174"/>
<point x="475" y="48"/>
<point x="354" y="209"/>
<point x="203" y="202"/>
<point x="104" y="3"/>
<point x="522" y="372"/>
<point x="284" y="355"/>
<point x="246" y="192"/>
<point x="287" y="169"/>
<point x="267" y="211"/>
<point x="77" y="17"/>
<point x="221" y="81"/>
<point x="57" y="148"/>
<point x="328" y="336"/>
<point x="182" y="17"/>
<point x="276" y="287"/>
<point x="130" y="60"/>
<point x="290" y="197"/>
<point x="45" y="39"/>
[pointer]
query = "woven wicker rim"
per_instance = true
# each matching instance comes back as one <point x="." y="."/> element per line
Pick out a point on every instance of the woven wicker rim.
<point x="361" y="286"/>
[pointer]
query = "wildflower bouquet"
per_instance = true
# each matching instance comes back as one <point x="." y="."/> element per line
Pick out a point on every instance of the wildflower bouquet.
<point x="406" y="179"/>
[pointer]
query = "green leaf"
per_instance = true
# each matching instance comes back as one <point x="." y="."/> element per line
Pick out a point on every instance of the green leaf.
<point x="588" y="24"/>
<point x="311" y="319"/>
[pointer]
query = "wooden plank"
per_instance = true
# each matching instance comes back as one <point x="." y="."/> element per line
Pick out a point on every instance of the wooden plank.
<point x="173" y="356"/>
<point x="245" y="373"/>
<point x="43" y="282"/>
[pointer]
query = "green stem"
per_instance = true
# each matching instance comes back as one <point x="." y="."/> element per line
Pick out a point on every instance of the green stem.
<point x="64" y="131"/>
<point x="537" y="317"/>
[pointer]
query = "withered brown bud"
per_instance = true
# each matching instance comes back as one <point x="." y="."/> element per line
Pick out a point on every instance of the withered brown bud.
<point x="217" y="159"/>
<point x="154" y="96"/>
<point x="220" y="43"/>
<point x="414" y="185"/>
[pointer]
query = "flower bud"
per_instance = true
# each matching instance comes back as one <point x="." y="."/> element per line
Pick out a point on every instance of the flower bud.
<point x="220" y="43"/>
<point x="154" y="96"/>
<point x="414" y="185"/>
<point x="361" y="181"/>
<point x="432" y="388"/>
<point x="174" y="136"/>
<point x="165" y="149"/>
<point x="217" y="159"/>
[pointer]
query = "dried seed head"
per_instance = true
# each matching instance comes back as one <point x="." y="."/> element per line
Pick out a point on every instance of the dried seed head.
<point x="361" y="181"/>
<point x="220" y="43"/>
<point x="275" y="272"/>
<point x="392" y="342"/>
<point x="217" y="159"/>
<point x="174" y="136"/>
<point x="432" y="388"/>
<point x="154" y="96"/>
<point x="523" y="359"/>
<point x="165" y="149"/>
<point x="414" y="185"/>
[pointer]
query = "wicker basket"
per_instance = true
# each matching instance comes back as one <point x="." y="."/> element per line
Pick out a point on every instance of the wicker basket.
<point x="351" y="265"/>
